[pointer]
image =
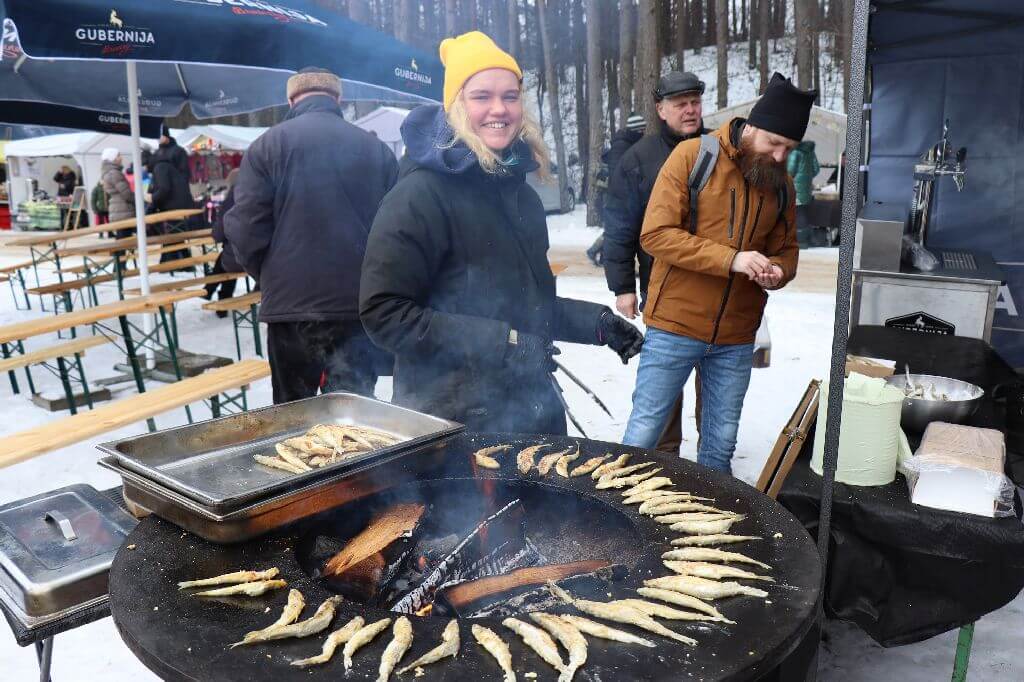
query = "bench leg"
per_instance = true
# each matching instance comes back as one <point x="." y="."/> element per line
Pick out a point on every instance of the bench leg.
<point x="215" y="405"/>
<point x="10" y="373"/>
<point x="118" y="270"/>
<point x="81" y="378"/>
<point x="133" y="359"/>
<point x="65" y="380"/>
<point x="173" y="351"/>
<point x="254" y="314"/>
<point x="236" y="318"/>
<point x="963" y="653"/>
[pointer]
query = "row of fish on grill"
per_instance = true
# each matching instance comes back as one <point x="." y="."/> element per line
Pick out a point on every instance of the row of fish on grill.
<point x="700" y="573"/>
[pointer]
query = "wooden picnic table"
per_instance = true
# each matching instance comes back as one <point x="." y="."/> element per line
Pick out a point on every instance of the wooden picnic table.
<point x="109" y="246"/>
<point x="126" y="224"/>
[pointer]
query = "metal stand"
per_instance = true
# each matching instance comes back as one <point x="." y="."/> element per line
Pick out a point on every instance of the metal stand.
<point x="44" y="652"/>
<point x="963" y="653"/>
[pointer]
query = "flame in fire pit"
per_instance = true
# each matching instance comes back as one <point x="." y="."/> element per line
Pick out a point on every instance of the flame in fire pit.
<point x="425" y="611"/>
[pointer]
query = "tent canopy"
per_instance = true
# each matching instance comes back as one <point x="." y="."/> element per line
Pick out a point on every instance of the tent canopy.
<point x="826" y="128"/>
<point x="386" y="124"/>
<point x="234" y="138"/>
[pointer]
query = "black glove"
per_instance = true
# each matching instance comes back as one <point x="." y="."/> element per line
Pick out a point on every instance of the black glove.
<point x="531" y="352"/>
<point x="619" y="335"/>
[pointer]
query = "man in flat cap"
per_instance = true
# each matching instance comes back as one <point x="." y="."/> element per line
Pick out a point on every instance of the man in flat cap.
<point x="721" y="228"/>
<point x="678" y="99"/>
<point x="306" y="195"/>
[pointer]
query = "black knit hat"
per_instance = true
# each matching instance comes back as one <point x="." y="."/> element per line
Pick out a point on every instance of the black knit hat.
<point x="783" y="109"/>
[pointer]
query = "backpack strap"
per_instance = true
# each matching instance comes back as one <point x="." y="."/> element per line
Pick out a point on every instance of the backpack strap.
<point x="707" y="157"/>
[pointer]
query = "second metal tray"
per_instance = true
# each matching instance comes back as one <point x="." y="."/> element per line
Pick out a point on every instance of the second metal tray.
<point x="211" y="462"/>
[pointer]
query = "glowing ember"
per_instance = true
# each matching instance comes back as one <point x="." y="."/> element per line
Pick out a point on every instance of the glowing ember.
<point x="425" y="611"/>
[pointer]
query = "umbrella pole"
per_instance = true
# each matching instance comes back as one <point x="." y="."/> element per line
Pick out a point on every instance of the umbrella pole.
<point x="140" y="202"/>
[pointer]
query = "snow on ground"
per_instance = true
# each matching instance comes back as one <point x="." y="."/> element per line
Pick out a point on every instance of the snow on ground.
<point x="800" y="321"/>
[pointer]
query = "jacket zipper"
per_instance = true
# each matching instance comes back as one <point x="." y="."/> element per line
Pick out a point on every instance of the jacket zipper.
<point x="732" y="275"/>
<point x="757" y="217"/>
<point x="732" y="210"/>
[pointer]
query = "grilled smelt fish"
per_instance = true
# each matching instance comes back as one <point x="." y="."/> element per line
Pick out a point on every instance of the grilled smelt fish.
<point x="661" y="496"/>
<point x="657" y="507"/>
<point x="290" y="455"/>
<point x="538" y="640"/>
<point x="662" y="611"/>
<point x="703" y="588"/>
<point x="650" y="484"/>
<point x="706" y="527"/>
<point x="396" y="648"/>
<point x="331" y="644"/>
<point x="624" y="471"/>
<point x="304" y="447"/>
<point x="363" y="636"/>
<point x="562" y="466"/>
<point x="496" y="647"/>
<point x="697" y="517"/>
<point x="588" y="466"/>
<point x="618" y="614"/>
<point x="595" y="629"/>
<point x="493" y="450"/>
<point x="486" y="462"/>
<point x="245" y="589"/>
<point x="318" y="622"/>
<point x="548" y="461"/>
<point x="710" y="554"/>
<point x="235" y="578"/>
<point x="449" y="646"/>
<point x="716" y="539"/>
<point x="277" y="463"/>
<point x="626" y="481"/>
<point x="616" y="463"/>
<point x="570" y="637"/>
<point x="713" y="571"/>
<point x="684" y="600"/>
<point x="526" y="456"/>
<point x="290" y="614"/>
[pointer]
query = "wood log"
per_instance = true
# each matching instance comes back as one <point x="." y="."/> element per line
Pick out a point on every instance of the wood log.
<point x="393" y="523"/>
<point x="461" y="595"/>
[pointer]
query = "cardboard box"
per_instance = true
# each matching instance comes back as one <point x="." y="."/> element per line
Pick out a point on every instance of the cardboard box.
<point x="871" y="367"/>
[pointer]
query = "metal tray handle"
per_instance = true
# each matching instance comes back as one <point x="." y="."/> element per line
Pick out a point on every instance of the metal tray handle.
<point x="64" y="523"/>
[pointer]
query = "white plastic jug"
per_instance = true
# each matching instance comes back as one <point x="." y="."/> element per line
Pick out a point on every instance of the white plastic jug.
<point x="871" y="442"/>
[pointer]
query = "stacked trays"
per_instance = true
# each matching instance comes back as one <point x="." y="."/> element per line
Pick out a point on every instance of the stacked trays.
<point x="203" y="477"/>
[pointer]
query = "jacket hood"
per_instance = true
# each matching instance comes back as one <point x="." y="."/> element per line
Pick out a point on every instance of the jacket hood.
<point x="427" y="136"/>
<point x="109" y="165"/>
<point x="630" y="136"/>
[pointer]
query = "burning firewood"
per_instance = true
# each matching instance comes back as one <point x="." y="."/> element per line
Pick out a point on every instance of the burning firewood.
<point x="362" y="558"/>
<point x="464" y="594"/>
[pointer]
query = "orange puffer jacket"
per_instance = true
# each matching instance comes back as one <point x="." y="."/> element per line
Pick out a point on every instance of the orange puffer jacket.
<point x="692" y="291"/>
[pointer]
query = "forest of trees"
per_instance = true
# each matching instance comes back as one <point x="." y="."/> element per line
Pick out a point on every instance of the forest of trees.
<point x="606" y="55"/>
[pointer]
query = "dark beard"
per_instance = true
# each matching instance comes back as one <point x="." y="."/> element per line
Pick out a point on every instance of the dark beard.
<point x="761" y="170"/>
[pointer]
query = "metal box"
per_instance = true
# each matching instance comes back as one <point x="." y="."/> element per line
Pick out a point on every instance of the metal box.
<point x="878" y="245"/>
<point x="56" y="548"/>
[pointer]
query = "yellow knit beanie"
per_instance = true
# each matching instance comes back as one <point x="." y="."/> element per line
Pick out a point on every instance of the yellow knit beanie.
<point x="467" y="55"/>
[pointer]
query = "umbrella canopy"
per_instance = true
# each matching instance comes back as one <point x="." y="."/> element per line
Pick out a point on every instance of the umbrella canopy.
<point x="222" y="57"/>
<point x="37" y="114"/>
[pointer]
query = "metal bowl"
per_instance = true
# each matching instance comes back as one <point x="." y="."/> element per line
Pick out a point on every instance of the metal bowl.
<point x="918" y="413"/>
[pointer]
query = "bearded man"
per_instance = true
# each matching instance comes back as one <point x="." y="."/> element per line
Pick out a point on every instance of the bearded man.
<point x="709" y="281"/>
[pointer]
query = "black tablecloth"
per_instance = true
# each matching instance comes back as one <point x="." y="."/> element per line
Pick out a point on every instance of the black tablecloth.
<point x="903" y="572"/>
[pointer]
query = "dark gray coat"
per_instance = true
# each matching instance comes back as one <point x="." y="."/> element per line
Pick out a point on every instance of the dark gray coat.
<point x="120" y="198"/>
<point x="305" y="199"/>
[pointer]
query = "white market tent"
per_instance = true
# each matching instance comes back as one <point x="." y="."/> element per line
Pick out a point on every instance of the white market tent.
<point x="234" y="138"/>
<point x="826" y="128"/>
<point x="386" y="124"/>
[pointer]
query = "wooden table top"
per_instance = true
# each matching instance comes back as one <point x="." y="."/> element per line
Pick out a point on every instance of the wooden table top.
<point x="129" y="243"/>
<point x="126" y="224"/>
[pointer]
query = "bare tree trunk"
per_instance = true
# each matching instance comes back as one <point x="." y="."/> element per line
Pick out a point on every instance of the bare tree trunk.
<point x="764" y="28"/>
<point x="648" y="57"/>
<point x="595" y="80"/>
<point x="752" y="36"/>
<point x="514" y="44"/>
<point x="722" y="31"/>
<point x="682" y="26"/>
<point x="611" y="69"/>
<point x="627" y="51"/>
<point x="556" y="115"/>
<point x="847" y="23"/>
<point x="579" y="41"/>
<point x="359" y="11"/>
<point x="816" y="42"/>
<point x="804" y="43"/>
<point x="450" y="11"/>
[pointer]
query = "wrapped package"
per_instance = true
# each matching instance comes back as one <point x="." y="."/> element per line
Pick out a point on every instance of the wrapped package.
<point x="870" y="439"/>
<point x="960" y="468"/>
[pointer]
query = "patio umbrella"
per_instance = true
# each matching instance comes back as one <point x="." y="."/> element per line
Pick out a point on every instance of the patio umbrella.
<point x="59" y="119"/>
<point x="151" y="57"/>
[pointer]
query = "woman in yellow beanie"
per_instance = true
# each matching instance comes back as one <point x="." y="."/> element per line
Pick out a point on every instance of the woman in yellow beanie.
<point x="456" y="281"/>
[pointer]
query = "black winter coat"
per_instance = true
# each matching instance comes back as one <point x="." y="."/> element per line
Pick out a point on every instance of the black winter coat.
<point x="624" y="205"/>
<point x="456" y="259"/>
<point x="305" y="199"/>
<point x="621" y="141"/>
<point x="228" y="261"/>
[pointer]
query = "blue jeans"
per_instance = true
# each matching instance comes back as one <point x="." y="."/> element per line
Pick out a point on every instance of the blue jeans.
<point x="665" y="364"/>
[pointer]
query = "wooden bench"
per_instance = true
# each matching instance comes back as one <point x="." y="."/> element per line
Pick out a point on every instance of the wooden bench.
<point x="245" y="312"/>
<point x="14" y="274"/>
<point x="60" y="433"/>
<point x="186" y="283"/>
<point x="127" y="243"/>
<point x="87" y="267"/>
<point x="63" y="353"/>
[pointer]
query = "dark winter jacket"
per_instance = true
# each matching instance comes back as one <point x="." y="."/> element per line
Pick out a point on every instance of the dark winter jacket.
<point x="228" y="260"/>
<point x="65" y="183"/>
<point x="803" y="166"/>
<point x="169" y="189"/>
<point x="456" y="259"/>
<point x="120" y="198"/>
<point x="305" y="199"/>
<point x="619" y="145"/>
<point x="173" y="152"/>
<point x="625" y="203"/>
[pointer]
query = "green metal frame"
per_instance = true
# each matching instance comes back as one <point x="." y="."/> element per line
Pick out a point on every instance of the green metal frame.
<point x="24" y="290"/>
<point x="964" y="642"/>
<point x="247" y="319"/>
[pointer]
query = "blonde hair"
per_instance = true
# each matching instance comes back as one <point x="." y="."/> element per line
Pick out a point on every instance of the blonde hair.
<point x="458" y="119"/>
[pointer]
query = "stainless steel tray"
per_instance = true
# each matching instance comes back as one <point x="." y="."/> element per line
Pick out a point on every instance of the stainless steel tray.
<point x="211" y="462"/>
<point x="264" y="516"/>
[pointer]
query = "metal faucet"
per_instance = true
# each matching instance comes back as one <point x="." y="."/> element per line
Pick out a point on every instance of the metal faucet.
<point x="939" y="160"/>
